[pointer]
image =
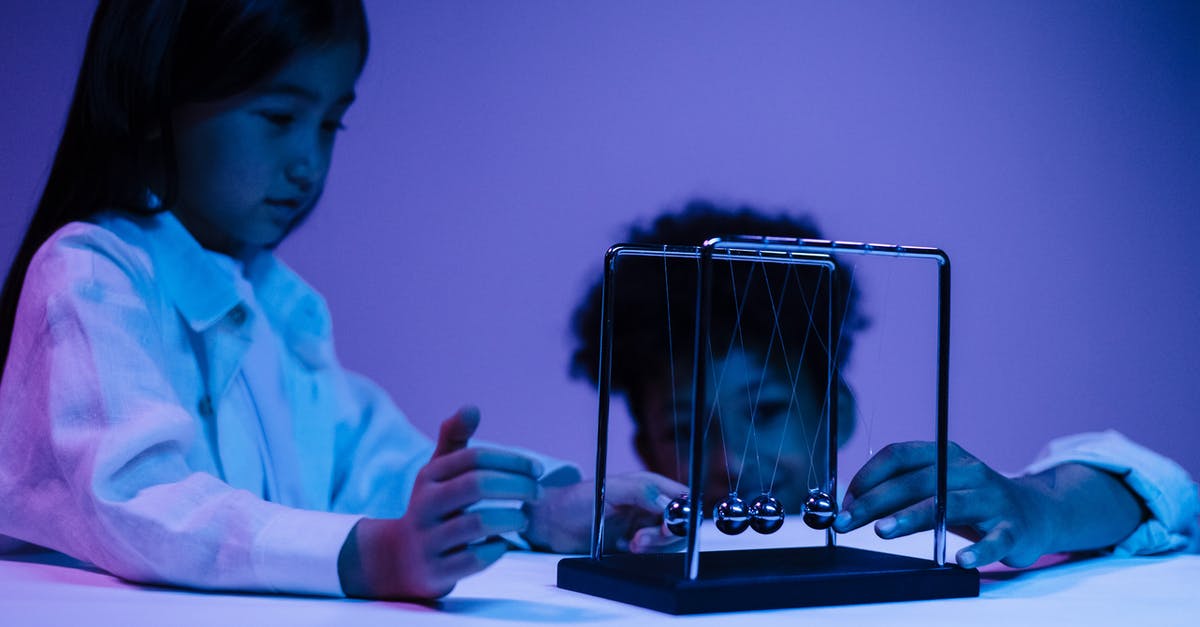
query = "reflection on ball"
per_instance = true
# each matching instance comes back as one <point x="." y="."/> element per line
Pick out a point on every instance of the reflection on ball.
<point x="766" y="514"/>
<point x="819" y="510"/>
<point x="731" y="515"/>
<point x="676" y="515"/>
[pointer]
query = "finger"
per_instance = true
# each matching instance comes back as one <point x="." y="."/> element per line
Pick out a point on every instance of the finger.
<point x="963" y="508"/>
<point x="996" y="545"/>
<point x="477" y="525"/>
<point x="472" y="559"/>
<point x="450" y="465"/>
<point x="655" y="540"/>
<point x="893" y="459"/>
<point x="966" y="474"/>
<point x="644" y="490"/>
<point x="456" y="431"/>
<point x="886" y="498"/>
<point x="471" y="487"/>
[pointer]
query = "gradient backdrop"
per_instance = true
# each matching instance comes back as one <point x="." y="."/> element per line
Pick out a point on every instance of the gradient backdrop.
<point x="497" y="148"/>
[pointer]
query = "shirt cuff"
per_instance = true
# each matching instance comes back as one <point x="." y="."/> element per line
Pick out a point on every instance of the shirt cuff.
<point x="1163" y="486"/>
<point x="297" y="551"/>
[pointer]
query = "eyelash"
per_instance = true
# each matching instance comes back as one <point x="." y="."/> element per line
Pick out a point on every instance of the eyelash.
<point x="283" y="120"/>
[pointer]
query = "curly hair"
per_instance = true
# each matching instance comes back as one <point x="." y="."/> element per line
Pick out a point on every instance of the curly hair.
<point x="648" y="289"/>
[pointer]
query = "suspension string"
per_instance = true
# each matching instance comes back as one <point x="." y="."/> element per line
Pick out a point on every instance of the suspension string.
<point x="776" y="330"/>
<point x="738" y="304"/>
<point x="829" y="383"/>
<point x="793" y="403"/>
<point x="671" y="366"/>
<point x="752" y="397"/>
<point x="715" y="410"/>
<point x="736" y="337"/>
<point x="823" y="416"/>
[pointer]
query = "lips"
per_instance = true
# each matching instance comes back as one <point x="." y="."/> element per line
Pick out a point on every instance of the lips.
<point x="285" y="209"/>
<point x="286" y="203"/>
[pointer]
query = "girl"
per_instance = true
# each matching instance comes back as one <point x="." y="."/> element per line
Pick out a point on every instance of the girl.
<point x="171" y="408"/>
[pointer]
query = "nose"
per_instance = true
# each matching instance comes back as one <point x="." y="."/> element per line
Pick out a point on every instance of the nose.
<point x="302" y="173"/>
<point x="308" y="163"/>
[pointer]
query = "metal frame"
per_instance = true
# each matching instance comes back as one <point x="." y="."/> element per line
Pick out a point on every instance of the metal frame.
<point x="780" y="250"/>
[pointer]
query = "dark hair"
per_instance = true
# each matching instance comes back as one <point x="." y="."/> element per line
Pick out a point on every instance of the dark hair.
<point x="143" y="59"/>
<point x="641" y="348"/>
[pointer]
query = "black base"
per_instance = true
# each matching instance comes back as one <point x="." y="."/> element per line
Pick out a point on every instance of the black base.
<point x="760" y="579"/>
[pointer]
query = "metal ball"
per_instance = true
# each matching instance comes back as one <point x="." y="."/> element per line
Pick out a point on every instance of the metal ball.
<point x="819" y="510"/>
<point x="731" y="515"/>
<point x="766" y="514"/>
<point x="676" y="515"/>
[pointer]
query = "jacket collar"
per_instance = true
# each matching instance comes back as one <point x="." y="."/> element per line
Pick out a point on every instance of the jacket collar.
<point x="207" y="288"/>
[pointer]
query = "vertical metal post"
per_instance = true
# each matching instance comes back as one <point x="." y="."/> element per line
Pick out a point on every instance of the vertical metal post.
<point x="943" y="409"/>
<point x="691" y="558"/>
<point x="832" y="387"/>
<point x="606" y="334"/>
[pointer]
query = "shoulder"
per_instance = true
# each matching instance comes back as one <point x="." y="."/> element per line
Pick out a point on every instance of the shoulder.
<point x="110" y="251"/>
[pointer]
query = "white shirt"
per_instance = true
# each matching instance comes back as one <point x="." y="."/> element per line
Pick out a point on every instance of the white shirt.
<point x="1164" y="487"/>
<point x="172" y="419"/>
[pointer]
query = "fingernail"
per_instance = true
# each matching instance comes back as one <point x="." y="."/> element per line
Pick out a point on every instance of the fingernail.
<point x="967" y="559"/>
<point x="662" y="501"/>
<point x="886" y="525"/>
<point x="538" y="469"/>
<point x="842" y="521"/>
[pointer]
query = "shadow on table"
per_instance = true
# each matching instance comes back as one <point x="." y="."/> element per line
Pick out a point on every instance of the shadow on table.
<point x="521" y="611"/>
<point x="1050" y="576"/>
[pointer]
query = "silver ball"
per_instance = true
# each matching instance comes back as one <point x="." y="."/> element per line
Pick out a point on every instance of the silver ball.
<point x="819" y="510"/>
<point x="766" y="514"/>
<point x="731" y="515"/>
<point x="676" y="515"/>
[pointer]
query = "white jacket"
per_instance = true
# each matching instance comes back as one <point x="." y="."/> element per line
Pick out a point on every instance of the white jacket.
<point x="173" y="417"/>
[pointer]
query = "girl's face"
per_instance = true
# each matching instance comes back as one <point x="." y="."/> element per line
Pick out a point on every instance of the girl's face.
<point x="251" y="167"/>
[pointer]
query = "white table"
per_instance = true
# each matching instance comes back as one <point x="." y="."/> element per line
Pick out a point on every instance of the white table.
<point x="520" y="589"/>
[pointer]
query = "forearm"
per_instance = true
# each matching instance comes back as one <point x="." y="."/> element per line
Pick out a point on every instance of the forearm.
<point x="1086" y="508"/>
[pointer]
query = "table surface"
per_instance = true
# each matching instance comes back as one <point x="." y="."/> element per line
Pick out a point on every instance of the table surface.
<point x="46" y="589"/>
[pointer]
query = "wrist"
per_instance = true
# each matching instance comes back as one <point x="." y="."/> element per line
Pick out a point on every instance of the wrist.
<point x="363" y="563"/>
<point x="1088" y="509"/>
<point x="1044" y="512"/>
<point x="535" y="512"/>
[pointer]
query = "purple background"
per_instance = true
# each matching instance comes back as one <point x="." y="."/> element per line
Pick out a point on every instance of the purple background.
<point x="1052" y="148"/>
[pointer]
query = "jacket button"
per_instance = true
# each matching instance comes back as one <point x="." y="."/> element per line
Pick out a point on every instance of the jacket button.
<point x="237" y="315"/>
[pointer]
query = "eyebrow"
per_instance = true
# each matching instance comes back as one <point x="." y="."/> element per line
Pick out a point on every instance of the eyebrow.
<point x="299" y="91"/>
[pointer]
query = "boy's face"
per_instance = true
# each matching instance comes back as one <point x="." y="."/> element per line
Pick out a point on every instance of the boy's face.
<point x="252" y="166"/>
<point x="757" y="423"/>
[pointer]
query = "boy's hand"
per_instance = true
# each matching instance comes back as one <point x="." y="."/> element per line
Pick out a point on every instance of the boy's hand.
<point x="1010" y="520"/>
<point x="561" y="520"/>
<point x="437" y="541"/>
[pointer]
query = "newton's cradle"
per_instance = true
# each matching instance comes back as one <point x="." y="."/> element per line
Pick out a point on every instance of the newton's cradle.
<point x="694" y="582"/>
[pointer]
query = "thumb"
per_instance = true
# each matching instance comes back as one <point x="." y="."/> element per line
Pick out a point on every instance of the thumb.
<point x="457" y="430"/>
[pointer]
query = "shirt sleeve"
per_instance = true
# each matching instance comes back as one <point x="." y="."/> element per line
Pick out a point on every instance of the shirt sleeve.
<point x="1164" y="487"/>
<point x="94" y="440"/>
<point x="380" y="453"/>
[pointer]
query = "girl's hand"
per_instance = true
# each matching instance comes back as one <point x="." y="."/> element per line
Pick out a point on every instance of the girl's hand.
<point x="1011" y="520"/>
<point x="438" y="541"/>
<point x="561" y="520"/>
